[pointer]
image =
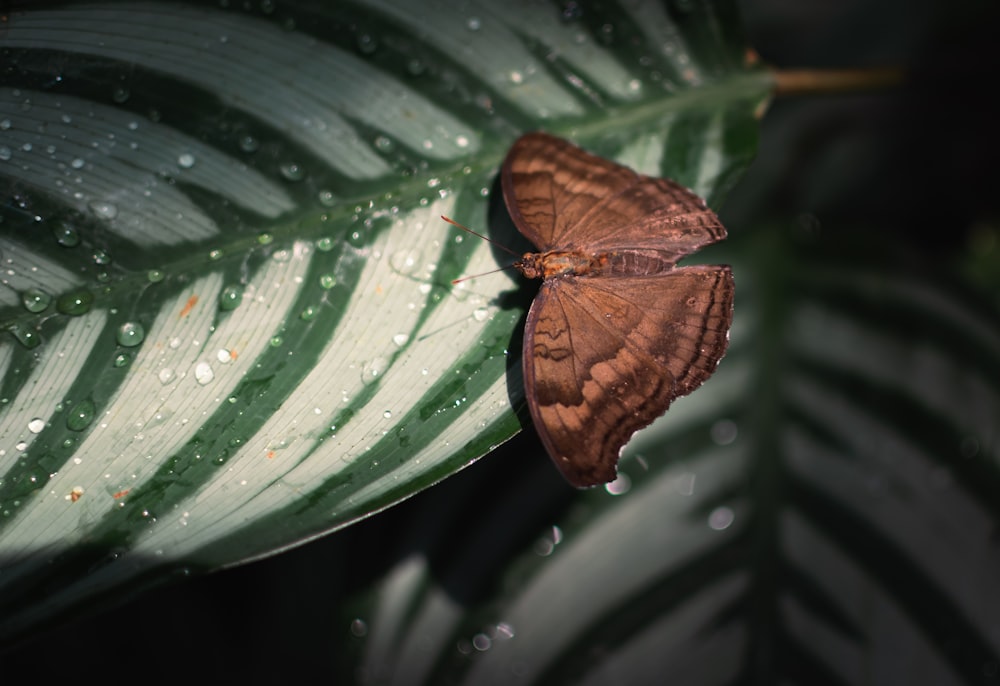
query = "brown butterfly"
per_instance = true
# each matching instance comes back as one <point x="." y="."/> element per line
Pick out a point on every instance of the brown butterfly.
<point x="617" y="330"/>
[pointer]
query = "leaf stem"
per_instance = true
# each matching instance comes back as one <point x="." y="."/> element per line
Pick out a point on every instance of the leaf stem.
<point x="816" y="81"/>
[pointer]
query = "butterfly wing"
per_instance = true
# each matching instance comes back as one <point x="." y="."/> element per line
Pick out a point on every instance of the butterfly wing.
<point x="562" y="197"/>
<point x="604" y="357"/>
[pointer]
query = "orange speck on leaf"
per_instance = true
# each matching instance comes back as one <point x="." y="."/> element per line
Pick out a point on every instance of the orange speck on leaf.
<point x="188" y="306"/>
<point x="270" y="454"/>
<point x="233" y="354"/>
<point x="121" y="494"/>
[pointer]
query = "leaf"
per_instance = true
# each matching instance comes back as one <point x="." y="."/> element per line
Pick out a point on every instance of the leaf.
<point x="227" y="286"/>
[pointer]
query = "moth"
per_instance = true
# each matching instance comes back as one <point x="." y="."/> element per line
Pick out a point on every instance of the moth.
<point x="617" y="330"/>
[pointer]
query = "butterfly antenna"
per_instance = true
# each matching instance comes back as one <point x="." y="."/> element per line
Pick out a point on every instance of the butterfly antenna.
<point x="476" y="276"/>
<point x="491" y="242"/>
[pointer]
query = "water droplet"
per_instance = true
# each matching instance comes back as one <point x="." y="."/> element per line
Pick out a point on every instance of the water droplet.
<point x="154" y="276"/>
<point x="203" y="373"/>
<point x="504" y="631"/>
<point x="276" y="341"/>
<point x="185" y="160"/>
<point x="481" y="314"/>
<point x="373" y="369"/>
<point x="77" y="163"/>
<point x="66" y="234"/>
<point x="324" y="244"/>
<point x="367" y="43"/>
<point x="401" y="339"/>
<point x="327" y="281"/>
<point x="224" y="356"/>
<point x="165" y="375"/>
<point x="103" y="209"/>
<point x="359" y="628"/>
<point x="249" y="144"/>
<point x="29" y="338"/>
<point x="292" y="171"/>
<point x="724" y="431"/>
<point x="405" y="261"/>
<point x="120" y="94"/>
<point x="473" y="24"/>
<point x="387" y="414"/>
<point x="101" y="257"/>
<point x="75" y="303"/>
<point x="230" y="298"/>
<point x="36" y="425"/>
<point x="327" y="198"/>
<point x="35" y="300"/>
<point x="620" y="486"/>
<point x="265" y="239"/>
<point x="81" y="416"/>
<point x="415" y="66"/>
<point x="130" y="334"/>
<point x="721" y="518"/>
<point x="308" y="313"/>
<point x="122" y="359"/>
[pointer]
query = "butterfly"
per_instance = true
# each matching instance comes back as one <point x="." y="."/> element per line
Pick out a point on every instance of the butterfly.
<point x="617" y="330"/>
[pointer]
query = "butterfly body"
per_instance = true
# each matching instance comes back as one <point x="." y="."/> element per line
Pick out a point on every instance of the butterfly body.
<point x="617" y="330"/>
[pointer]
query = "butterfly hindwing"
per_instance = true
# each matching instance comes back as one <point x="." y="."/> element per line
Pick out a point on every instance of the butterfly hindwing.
<point x="606" y="356"/>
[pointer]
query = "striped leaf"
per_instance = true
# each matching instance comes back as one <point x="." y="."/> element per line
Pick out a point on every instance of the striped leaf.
<point x="227" y="288"/>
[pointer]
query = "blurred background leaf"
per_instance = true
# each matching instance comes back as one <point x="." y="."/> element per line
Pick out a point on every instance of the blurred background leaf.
<point x="824" y="510"/>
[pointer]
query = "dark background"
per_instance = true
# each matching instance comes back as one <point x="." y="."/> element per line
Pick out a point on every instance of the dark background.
<point x="914" y="165"/>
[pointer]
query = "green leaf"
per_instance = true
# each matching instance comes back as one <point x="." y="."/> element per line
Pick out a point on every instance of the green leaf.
<point x="227" y="287"/>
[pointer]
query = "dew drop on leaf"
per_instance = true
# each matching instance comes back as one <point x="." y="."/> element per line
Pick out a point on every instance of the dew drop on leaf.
<point x="292" y="171"/>
<point x="367" y="43"/>
<point x="230" y="298"/>
<point x="36" y="425"/>
<point x="66" y="234"/>
<point x="373" y="369"/>
<point x="81" y="416"/>
<point x="203" y="373"/>
<point x="75" y="303"/>
<point x="405" y="261"/>
<point x="130" y="334"/>
<point x="35" y="300"/>
<point x="103" y="210"/>
<point x="249" y="144"/>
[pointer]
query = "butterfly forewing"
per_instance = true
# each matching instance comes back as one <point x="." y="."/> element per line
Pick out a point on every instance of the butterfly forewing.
<point x="562" y="197"/>
<point x="605" y="357"/>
